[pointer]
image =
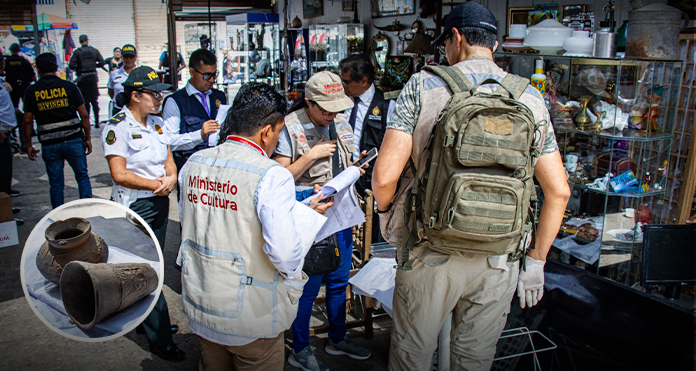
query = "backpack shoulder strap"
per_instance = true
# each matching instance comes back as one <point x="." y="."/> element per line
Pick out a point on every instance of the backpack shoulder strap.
<point x="514" y="84"/>
<point x="453" y="76"/>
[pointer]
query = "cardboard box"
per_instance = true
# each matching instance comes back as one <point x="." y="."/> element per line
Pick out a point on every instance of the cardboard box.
<point x="8" y="233"/>
<point x="5" y="208"/>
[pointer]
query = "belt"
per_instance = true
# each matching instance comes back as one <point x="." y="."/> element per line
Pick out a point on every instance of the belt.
<point x="141" y="193"/>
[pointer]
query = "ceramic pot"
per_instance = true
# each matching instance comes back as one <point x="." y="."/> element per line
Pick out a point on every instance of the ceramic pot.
<point x="579" y="45"/>
<point x="68" y="240"/>
<point x="90" y="292"/>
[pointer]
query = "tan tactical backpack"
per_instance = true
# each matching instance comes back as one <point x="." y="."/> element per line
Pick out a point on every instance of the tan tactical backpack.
<point x="476" y="193"/>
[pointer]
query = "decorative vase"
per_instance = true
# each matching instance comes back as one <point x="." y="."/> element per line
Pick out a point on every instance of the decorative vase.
<point x="68" y="240"/>
<point x="582" y="119"/>
<point x="579" y="45"/>
<point x="90" y="292"/>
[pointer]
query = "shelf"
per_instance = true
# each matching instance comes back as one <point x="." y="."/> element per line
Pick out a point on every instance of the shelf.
<point x="622" y="194"/>
<point x="626" y="134"/>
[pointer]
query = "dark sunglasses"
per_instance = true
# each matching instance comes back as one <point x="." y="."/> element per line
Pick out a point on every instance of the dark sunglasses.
<point x="441" y="47"/>
<point x="207" y="76"/>
<point x="323" y="111"/>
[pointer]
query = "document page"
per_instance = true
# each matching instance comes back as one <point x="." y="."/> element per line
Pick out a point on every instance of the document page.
<point x="307" y="223"/>
<point x="344" y="213"/>
<point x="220" y="118"/>
<point x="340" y="182"/>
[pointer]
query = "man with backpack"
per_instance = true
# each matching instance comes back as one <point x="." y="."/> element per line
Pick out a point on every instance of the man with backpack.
<point x="453" y="184"/>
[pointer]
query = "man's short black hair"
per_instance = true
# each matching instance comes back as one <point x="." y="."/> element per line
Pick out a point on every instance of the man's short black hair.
<point x="359" y="66"/>
<point x="202" y="56"/>
<point x="477" y="36"/>
<point x="14" y="48"/>
<point x="255" y="106"/>
<point x="46" y="63"/>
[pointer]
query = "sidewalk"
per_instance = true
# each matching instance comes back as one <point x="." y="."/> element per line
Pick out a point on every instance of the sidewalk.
<point x="27" y="343"/>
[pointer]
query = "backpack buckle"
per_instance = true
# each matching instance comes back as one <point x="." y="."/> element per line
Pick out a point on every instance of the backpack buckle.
<point x="449" y="141"/>
<point x="431" y="223"/>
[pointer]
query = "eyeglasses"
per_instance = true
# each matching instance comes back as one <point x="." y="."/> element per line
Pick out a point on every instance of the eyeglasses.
<point x="208" y="75"/>
<point x="323" y="111"/>
<point x="155" y="94"/>
<point x="346" y="82"/>
<point x="441" y="47"/>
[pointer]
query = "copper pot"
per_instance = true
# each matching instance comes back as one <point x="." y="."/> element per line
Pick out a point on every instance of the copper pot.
<point x="68" y="240"/>
<point x="90" y="292"/>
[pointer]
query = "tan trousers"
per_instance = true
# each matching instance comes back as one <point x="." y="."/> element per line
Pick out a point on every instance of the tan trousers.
<point x="261" y="354"/>
<point x="478" y="296"/>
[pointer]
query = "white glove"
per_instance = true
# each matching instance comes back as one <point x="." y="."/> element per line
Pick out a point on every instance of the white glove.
<point x="530" y="284"/>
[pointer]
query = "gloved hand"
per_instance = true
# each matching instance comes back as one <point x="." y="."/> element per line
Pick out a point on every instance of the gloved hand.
<point x="530" y="284"/>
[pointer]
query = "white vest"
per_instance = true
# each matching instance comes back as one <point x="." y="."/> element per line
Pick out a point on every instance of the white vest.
<point x="303" y="136"/>
<point x="229" y="284"/>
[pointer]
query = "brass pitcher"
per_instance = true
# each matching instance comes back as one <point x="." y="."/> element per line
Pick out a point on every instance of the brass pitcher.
<point x="90" y="292"/>
<point x="582" y="119"/>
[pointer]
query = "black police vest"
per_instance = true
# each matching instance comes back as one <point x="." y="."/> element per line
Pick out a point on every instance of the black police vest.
<point x="18" y="72"/>
<point x="192" y="115"/>
<point x="87" y="61"/>
<point x="55" y="103"/>
<point x="374" y="126"/>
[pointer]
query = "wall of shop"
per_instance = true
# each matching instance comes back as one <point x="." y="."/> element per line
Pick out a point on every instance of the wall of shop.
<point x="150" y="30"/>
<point x="333" y="10"/>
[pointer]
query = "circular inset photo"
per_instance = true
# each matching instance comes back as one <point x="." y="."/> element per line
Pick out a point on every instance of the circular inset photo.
<point x="92" y="270"/>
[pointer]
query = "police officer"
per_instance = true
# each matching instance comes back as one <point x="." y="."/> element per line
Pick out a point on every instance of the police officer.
<point x="189" y="114"/>
<point x="118" y="76"/>
<point x="19" y="74"/>
<point x="144" y="174"/>
<point x="63" y="128"/>
<point x="85" y="61"/>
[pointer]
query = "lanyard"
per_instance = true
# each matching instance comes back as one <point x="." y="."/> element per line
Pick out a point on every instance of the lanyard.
<point x="253" y="145"/>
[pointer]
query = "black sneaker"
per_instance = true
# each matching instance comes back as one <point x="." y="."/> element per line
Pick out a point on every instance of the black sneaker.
<point x="169" y="352"/>
<point x="14" y="193"/>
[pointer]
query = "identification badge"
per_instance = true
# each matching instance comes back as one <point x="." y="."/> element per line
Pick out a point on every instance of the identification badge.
<point x="137" y="136"/>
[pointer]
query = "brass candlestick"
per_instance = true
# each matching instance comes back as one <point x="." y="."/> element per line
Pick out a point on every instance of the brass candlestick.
<point x="583" y="121"/>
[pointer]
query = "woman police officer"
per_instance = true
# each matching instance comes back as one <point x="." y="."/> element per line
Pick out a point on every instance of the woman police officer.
<point x="144" y="174"/>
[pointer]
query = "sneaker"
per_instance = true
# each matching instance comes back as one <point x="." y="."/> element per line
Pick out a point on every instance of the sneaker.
<point x="348" y="348"/>
<point x="306" y="360"/>
<point x="14" y="193"/>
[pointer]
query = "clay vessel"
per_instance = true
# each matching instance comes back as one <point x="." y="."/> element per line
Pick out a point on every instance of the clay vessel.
<point x="91" y="292"/>
<point x="68" y="240"/>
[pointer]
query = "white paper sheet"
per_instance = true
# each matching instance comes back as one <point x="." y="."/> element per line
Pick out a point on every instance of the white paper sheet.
<point x="344" y="213"/>
<point x="342" y="181"/>
<point x="310" y="223"/>
<point x="377" y="280"/>
<point x="220" y="118"/>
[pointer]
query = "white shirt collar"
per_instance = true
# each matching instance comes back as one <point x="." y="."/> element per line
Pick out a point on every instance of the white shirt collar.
<point x="190" y="90"/>
<point x="367" y="96"/>
<point x="133" y="122"/>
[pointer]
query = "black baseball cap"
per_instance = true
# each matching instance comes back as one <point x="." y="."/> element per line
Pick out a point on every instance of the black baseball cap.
<point x="469" y="14"/>
<point x="128" y="49"/>
<point x="146" y="78"/>
<point x="83" y="38"/>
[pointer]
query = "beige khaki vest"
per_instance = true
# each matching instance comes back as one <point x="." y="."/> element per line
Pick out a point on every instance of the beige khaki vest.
<point x="433" y="99"/>
<point x="303" y="136"/>
<point x="229" y="284"/>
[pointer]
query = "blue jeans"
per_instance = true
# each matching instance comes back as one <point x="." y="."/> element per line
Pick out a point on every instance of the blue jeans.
<point x="336" y="283"/>
<point x="55" y="155"/>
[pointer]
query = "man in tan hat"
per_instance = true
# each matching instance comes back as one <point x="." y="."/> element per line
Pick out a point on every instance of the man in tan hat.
<point x="315" y="145"/>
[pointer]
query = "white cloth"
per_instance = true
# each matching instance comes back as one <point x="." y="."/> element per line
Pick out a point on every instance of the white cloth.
<point x="172" y="123"/>
<point x="116" y="79"/>
<point x="363" y="105"/>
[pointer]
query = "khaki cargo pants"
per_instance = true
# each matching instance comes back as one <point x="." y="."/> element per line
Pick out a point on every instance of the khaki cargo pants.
<point x="477" y="289"/>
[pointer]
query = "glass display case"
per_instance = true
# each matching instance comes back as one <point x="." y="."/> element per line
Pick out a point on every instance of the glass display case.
<point x="330" y="43"/>
<point x="614" y="121"/>
<point x="254" y="53"/>
<point x="298" y="52"/>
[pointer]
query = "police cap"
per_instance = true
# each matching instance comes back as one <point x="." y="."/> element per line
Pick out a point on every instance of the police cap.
<point x="128" y="49"/>
<point x="146" y="78"/>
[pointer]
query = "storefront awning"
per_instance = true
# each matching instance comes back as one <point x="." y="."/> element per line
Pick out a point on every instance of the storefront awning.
<point x="47" y="22"/>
